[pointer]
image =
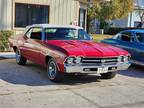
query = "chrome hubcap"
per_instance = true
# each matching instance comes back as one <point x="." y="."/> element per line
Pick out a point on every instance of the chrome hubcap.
<point x="18" y="56"/>
<point x="52" y="70"/>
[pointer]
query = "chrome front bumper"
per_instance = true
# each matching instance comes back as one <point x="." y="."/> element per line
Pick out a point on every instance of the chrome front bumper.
<point x="96" y="69"/>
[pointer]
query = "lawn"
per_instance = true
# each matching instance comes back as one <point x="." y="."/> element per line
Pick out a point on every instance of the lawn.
<point x="98" y="37"/>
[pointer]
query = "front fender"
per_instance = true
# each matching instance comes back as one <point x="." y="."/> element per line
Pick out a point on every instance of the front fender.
<point x="59" y="58"/>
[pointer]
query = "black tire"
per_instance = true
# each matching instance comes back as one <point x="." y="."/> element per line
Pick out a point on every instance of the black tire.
<point x="19" y="58"/>
<point x="108" y="75"/>
<point x="52" y="71"/>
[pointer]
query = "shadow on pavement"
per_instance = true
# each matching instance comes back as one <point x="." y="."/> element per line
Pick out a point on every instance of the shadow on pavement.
<point x="80" y="79"/>
<point x="134" y="71"/>
<point x="35" y="75"/>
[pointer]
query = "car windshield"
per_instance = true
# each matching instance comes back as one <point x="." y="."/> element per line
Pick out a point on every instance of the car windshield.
<point x="140" y="37"/>
<point x="66" y="34"/>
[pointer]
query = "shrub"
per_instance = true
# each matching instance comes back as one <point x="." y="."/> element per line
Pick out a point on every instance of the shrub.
<point x="115" y="30"/>
<point x="4" y="35"/>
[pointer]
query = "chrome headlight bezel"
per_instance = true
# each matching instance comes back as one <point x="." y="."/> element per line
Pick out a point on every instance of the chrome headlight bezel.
<point x="70" y="60"/>
<point x="78" y="60"/>
<point x="125" y="58"/>
<point x="73" y="60"/>
<point x="120" y="59"/>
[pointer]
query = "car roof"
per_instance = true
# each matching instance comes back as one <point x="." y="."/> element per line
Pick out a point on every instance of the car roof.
<point x="54" y="26"/>
<point x="134" y="30"/>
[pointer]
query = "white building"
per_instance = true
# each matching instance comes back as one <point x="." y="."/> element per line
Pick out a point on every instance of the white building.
<point x="133" y="19"/>
<point x="16" y="14"/>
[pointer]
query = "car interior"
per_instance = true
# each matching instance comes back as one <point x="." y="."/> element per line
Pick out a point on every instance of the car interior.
<point x="36" y="35"/>
<point x="125" y="37"/>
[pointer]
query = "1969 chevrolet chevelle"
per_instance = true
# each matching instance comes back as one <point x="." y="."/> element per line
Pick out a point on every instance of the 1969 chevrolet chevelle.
<point x="67" y="49"/>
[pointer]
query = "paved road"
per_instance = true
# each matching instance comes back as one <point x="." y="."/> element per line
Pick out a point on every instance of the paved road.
<point x="28" y="87"/>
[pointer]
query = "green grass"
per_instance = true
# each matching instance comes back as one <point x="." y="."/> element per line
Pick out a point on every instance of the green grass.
<point x="98" y="37"/>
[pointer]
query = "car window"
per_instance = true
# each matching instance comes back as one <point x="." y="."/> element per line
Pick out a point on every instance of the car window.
<point x="126" y="36"/>
<point x="83" y="35"/>
<point x="36" y="34"/>
<point x="65" y="34"/>
<point x="140" y="37"/>
<point x="117" y="36"/>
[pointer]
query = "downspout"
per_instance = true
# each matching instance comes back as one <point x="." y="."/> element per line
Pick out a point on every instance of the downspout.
<point x="130" y="24"/>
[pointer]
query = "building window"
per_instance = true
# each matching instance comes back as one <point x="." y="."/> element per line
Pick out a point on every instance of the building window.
<point x="27" y="14"/>
<point x="82" y="17"/>
<point x="137" y="24"/>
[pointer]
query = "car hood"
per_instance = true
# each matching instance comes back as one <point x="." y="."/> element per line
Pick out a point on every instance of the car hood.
<point x="86" y="48"/>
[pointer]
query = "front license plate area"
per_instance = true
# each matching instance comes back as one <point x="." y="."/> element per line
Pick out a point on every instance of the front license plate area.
<point x="102" y="70"/>
<point x="112" y="68"/>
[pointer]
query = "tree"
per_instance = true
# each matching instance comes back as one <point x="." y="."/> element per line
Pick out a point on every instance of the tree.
<point x="141" y="16"/>
<point x="114" y="9"/>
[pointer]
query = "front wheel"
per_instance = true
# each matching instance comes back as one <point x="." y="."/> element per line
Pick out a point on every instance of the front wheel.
<point x="52" y="71"/>
<point x="108" y="75"/>
<point x="19" y="58"/>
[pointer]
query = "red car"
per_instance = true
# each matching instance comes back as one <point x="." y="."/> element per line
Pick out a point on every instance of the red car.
<point x="67" y="49"/>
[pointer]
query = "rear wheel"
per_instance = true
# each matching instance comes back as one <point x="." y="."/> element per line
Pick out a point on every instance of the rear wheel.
<point x="52" y="71"/>
<point x="109" y="75"/>
<point x="19" y="58"/>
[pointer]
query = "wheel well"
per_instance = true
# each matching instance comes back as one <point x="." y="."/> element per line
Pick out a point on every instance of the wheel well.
<point x="47" y="59"/>
<point x="14" y="48"/>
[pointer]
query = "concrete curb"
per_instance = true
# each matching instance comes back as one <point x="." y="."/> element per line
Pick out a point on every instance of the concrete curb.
<point x="7" y="55"/>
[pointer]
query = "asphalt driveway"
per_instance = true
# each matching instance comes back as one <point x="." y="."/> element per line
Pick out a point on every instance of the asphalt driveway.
<point x="28" y="87"/>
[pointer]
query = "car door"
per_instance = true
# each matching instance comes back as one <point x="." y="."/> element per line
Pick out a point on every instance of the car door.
<point x="139" y="37"/>
<point x="113" y="41"/>
<point x="127" y="42"/>
<point x="31" y="47"/>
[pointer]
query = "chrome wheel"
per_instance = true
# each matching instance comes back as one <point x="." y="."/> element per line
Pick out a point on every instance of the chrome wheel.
<point x="52" y="70"/>
<point x="19" y="58"/>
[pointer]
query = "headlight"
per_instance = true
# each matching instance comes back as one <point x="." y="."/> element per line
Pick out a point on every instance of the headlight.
<point x="73" y="60"/>
<point x="78" y="60"/>
<point x="125" y="58"/>
<point x="70" y="60"/>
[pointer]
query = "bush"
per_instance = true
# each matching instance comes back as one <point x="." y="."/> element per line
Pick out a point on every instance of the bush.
<point x="114" y="30"/>
<point x="4" y="35"/>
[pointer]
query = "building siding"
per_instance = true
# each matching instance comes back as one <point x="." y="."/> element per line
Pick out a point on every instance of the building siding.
<point x="6" y="13"/>
<point x="62" y="12"/>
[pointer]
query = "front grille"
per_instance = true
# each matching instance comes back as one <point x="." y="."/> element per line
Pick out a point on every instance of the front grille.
<point x="110" y="60"/>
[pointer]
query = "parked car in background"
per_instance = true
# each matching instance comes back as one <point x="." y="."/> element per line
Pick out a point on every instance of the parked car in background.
<point x="67" y="49"/>
<point x="132" y="41"/>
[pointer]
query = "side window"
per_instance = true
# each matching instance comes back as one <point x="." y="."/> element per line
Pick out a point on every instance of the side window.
<point x="36" y="34"/>
<point x="126" y="36"/>
<point x="82" y="35"/>
<point x="117" y="36"/>
<point x="140" y="37"/>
